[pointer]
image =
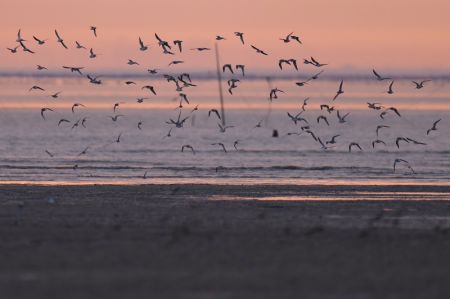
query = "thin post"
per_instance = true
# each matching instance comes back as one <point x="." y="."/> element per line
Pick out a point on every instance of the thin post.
<point x="219" y="78"/>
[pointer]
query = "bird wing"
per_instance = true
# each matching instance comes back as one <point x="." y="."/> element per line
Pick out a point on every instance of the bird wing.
<point x="57" y="35"/>
<point x="376" y="74"/>
<point x="158" y="38"/>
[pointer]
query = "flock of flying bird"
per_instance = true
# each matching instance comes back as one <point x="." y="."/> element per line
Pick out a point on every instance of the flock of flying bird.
<point x="183" y="81"/>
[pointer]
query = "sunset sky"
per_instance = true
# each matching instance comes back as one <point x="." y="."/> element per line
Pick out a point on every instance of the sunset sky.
<point x="402" y="35"/>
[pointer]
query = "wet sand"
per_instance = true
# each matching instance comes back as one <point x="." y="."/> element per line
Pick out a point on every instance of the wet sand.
<point x="216" y="241"/>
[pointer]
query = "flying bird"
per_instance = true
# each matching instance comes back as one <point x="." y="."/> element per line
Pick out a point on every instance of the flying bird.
<point x="150" y="88"/>
<point x="118" y="138"/>
<point x="74" y="69"/>
<point x="354" y="144"/>
<point x="132" y="62"/>
<point x="297" y="117"/>
<point x="25" y="48"/>
<point x="305" y="103"/>
<point x="332" y="140"/>
<point x="13" y="50"/>
<point x="94" y="30"/>
<point x="324" y="146"/>
<point x="403" y="162"/>
<point x="43" y="110"/>
<point x="35" y="87"/>
<point x="179" y="44"/>
<point x="273" y="93"/>
<point x="380" y="78"/>
<point x="294" y="63"/>
<point x="39" y="41"/>
<point x="327" y="107"/>
<point x="141" y="100"/>
<point x="49" y="153"/>
<point x="142" y="47"/>
<point x="76" y="105"/>
<point x="83" y="152"/>
<point x="56" y="94"/>
<point x="420" y="85"/>
<point x="223" y="129"/>
<point x="395" y="111"/>
<point x="340" y="91"/>
<point x="342" y="118"/>
<point x="379" y="127"/>
<point x="19" y="37"/>
<point x="316" y="76"/>
<point x="375" y="106"/>
<point x="189" y="147"/>
<point x="116" y="105"/>
<point x="241" y="36"/>
<point x="227" y="67"/>
<point x="415" y="141"/>
<point x="390" y="90"/>
<point x="215" y="112"/>
<point x="60" y="40"/>
<point x="92" y="54"/>
<point x="324" y="118"/>
<point x="287" y="39"/>
<point x="281" y="61"/>
<point x="175" y="62"/>
<point x="235" y="143"/>
<point x="63" y="120"/>
<point x="94" y="80"/>
<point x="221" y="145"/>
<point x="397" y="141"/>
<point x="434" y="127"/>
<point x="317" y="63"/>
<point x="302" y="83"/>
<point x="242" y="68"/>
<point x="115" y="117"/>
<point x="179" y="123"/>
<point x="259" y="51"/>
<point x="201" y="49"/>
<point x="296" y="38"/>
<point x="79" y="46"/>
<point x="378" y="141"/>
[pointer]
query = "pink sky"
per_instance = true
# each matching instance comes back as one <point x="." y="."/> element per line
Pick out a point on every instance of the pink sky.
<point x="391" y="35"/>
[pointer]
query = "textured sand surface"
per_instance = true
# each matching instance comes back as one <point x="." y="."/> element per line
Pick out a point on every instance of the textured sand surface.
<point x="209" y="241"/>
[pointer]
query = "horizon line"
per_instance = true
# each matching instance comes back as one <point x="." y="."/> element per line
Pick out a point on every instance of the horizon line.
<point x="212" y="75"/>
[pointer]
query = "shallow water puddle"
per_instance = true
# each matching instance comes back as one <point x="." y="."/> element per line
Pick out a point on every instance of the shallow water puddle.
<point x="347" y="196"/>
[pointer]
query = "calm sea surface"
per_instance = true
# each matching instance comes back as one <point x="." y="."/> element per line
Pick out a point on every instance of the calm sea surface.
<point x="149" y="155"/>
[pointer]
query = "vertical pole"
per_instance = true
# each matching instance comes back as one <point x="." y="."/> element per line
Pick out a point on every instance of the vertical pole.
<point x="269" y="110"/>
<point x="219" y="78"/>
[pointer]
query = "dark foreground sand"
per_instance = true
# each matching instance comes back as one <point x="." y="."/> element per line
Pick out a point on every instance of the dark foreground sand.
<point x="199" y="241"/>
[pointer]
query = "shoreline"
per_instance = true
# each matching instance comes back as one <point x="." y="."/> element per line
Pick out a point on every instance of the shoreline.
<point x="235" y="186"/>
<point x="235" y="182"/>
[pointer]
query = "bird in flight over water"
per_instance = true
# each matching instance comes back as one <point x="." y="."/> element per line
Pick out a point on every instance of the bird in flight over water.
<point x="434" y="127"/>
<point x="380" y="78"/>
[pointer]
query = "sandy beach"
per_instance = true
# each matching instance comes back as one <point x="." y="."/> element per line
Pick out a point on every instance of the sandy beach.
<point x="218" y="241"/>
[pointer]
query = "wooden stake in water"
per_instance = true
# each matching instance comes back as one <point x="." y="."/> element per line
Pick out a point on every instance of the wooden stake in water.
<point x="219" y="78"/>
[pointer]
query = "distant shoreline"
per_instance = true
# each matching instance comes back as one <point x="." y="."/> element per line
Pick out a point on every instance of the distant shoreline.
<point x="211" y="75"/>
